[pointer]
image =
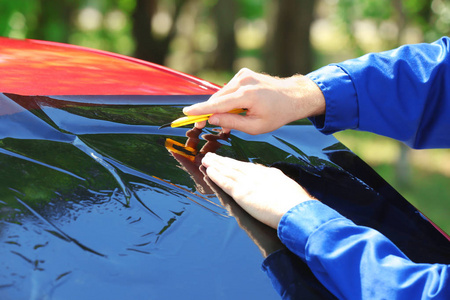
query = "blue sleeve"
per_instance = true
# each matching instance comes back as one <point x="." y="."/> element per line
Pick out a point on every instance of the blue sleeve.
<point x="403" y="94"/>
<point x="356" y="262"/>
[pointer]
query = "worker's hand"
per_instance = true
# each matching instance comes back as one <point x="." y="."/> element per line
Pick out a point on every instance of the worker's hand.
<point x="262" y="235"/>
<point x="271" y="102"/>
<point x="265" y="193"/>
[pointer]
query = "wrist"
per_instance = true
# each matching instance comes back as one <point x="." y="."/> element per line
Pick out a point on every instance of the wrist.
<point x="309" y="99"/>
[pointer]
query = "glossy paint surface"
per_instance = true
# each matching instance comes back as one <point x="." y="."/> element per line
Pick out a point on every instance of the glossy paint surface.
<point x="93" y="204"/>
<point x="95" y="201"/>
<point x="32" y="67"/>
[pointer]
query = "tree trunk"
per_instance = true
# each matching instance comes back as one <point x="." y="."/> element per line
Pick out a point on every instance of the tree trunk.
<point x="225" y="18"/>
<point x="53" y="21"/>
<point x="142" y="32"/>
<point x="289" y="49"/>
<point x="148" y="47"/>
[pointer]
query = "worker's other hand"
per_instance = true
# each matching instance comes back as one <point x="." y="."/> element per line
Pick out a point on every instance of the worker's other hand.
<point x="262" y="235"/>
<point x="265" y="193"/>
<point x="271" y="102"/>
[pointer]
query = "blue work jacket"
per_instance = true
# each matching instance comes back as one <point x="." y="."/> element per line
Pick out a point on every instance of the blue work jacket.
<point x="403" y="94"/>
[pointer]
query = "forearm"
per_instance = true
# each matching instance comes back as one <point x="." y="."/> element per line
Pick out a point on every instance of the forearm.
<point x="402" y="93"/>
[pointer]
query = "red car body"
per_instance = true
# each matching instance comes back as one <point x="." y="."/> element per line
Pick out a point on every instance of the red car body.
<point x="32" y="67"/>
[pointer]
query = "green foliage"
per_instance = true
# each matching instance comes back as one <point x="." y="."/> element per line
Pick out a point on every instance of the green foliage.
<point x="16" y="17"/>
<point x="126" y="5"/>
<point x="99" y="24"/>
<point x="416" y="6"/>
<point x="252" y="9"/>
<point x="407" y="13"/>
<point x="377" y="9"/>
<point x="350" y="10"/>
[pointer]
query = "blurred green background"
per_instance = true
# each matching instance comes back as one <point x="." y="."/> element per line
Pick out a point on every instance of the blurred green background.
<point x="213" y="39"/>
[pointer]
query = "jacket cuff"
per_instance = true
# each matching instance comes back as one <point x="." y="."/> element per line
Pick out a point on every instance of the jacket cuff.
<point x="301" y="221"/>
<point x="340" y="98"/>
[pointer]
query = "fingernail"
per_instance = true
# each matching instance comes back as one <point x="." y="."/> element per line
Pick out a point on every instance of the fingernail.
<point x="209" y="154"/>
<point x="205" y="158"/>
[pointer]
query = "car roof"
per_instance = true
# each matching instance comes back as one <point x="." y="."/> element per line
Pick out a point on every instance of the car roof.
<point x="32" y="67"/>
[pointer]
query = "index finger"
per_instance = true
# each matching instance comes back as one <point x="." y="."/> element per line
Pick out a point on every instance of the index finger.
<point x="242" y="78"/>
<point x="221" y="104"/>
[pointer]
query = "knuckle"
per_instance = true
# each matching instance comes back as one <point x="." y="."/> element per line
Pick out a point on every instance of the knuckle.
<point x="247" y="77"/>
<point x="276" y="171"/>
<point x="244" y="71"/>
<point x="248" y="90"/>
